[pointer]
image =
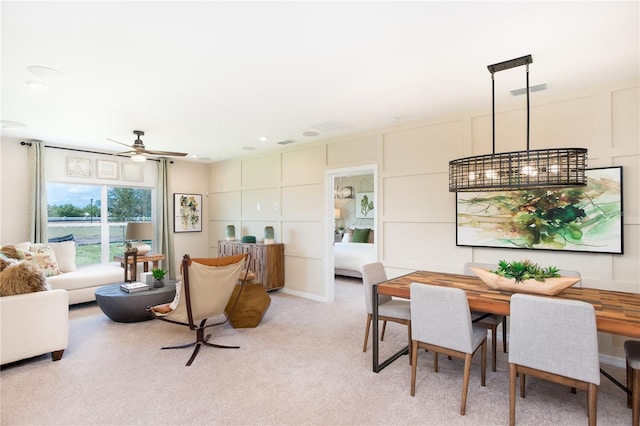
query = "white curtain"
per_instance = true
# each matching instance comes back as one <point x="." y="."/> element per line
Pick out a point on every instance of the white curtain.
<point x="38" y="197"/>
<point x="165" y="224"/>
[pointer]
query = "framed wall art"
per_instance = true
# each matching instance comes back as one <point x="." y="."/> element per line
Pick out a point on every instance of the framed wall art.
<point x="579" y="219"/>
<point x="132" y="172"/>
<point x="107" y="169"/>
<point x="364" y="205"/>
<point x="187" y="210"/>
<point x="79" y="167"/>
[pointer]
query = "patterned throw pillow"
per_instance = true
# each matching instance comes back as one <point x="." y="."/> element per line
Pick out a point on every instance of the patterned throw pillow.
<point x="45" y="259"/>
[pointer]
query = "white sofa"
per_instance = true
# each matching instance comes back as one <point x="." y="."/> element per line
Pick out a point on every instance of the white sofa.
<point x="83" y="282"/>
<point x="33" y="324"/>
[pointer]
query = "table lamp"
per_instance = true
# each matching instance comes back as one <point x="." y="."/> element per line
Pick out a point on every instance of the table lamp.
<point x="137" y="233"/>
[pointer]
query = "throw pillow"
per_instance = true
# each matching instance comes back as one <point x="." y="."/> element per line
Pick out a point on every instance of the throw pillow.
<point x="65" y="255"/>
<point x="21" y="278"/>
<point x="10" y="251"/>
<point x="45" y="259"/>
<point x="360" y="235"/>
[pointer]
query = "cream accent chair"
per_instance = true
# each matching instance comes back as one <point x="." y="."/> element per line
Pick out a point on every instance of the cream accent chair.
<point x="557" y="340"/>
<point x="33" y="324"/>
<point x="441" y="322"/>
<point x="206" y="287"/>
<point x="389" y="309"/>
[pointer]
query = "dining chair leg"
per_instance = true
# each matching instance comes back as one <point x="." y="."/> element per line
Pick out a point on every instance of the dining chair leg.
<point x="465" y="382"/>
<point x="504" y="335"/>
<point x="512" y="394"/>
<point x="366" y="332"/>
<point x="592" y="402"/>
<point x="483" y="363"/>
<point x="409" y="336"/>
<point x="414" y="358"/>
<point x="635" y="405"/>
<point x="493" y="347"/>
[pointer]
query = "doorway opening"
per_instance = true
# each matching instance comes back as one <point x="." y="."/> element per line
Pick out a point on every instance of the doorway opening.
<point x="351" y="198"/>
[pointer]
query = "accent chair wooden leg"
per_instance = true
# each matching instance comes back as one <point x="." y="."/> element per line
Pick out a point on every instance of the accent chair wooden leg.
<point x="384" y="327"/>
<point x="592" y="403"/>
<point x="512" y="394"/>
<point x="366" y="332"/>
<point x="414" y="358"/>
<point x="465" y="382"/>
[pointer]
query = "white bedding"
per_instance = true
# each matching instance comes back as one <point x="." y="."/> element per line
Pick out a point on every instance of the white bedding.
<point x="351" y="256"/>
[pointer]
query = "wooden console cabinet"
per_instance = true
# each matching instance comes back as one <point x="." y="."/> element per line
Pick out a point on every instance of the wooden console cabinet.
<point x="267" y="260"/>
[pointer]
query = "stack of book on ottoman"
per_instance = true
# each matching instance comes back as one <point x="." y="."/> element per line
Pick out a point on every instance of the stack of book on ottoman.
<point x="134" y="287"/>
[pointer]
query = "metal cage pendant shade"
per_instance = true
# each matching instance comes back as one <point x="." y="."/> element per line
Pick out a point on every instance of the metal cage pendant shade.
<point x="539" y="168"/>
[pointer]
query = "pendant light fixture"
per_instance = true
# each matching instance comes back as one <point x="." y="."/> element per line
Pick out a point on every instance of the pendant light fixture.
<point x="537" y="168"/>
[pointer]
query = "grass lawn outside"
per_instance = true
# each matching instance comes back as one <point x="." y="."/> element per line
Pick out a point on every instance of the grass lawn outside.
<point x="87" y="238"/>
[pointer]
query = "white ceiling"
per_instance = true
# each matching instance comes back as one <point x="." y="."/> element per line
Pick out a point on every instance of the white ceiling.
<point x="210" y="78"/>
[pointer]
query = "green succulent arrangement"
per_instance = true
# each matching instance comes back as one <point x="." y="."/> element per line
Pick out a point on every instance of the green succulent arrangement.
<point x="525" y="270"/>
<point x="158" y="274"/>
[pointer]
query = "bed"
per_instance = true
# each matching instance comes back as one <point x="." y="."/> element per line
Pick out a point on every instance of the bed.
<point x="349" y="256"/>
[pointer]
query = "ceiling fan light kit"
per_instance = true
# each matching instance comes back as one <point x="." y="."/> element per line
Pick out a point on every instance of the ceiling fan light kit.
<point x="139" y="153"/>
<point x="540" y="168"/>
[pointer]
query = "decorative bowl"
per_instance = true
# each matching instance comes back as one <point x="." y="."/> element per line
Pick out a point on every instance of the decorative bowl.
<point x="548" y="287"/>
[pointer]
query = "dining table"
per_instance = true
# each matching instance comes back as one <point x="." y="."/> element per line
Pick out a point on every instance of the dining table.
<point x="616" y="312"/>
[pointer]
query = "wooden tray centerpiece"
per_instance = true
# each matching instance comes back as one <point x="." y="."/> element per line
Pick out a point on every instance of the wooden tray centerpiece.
<point x="525" y="276"/>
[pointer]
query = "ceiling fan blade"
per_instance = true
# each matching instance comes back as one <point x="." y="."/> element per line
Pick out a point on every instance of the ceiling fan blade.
<point x="125" y="153"/>
<point x="168" y="153"/>
<point x="128" y="146"/>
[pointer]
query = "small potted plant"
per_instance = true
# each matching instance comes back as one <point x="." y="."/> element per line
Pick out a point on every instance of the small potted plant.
<point x="158" y="277"/>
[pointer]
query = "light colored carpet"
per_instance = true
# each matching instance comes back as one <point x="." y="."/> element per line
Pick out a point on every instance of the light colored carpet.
<point x="302" y="365"/>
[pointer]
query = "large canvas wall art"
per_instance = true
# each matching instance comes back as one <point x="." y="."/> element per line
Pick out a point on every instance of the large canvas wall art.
<point x="582" y="219"/>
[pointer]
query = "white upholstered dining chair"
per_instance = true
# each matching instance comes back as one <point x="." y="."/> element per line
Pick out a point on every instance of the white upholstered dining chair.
<point x="441" y="323"/>
<point x="389" y="309"/>
<point x="553" y="339"/>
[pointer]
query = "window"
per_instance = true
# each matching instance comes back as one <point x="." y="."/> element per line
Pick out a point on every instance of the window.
<point x="79" y="210"/>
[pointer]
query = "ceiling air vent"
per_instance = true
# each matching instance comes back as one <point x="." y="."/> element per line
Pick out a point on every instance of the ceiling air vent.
<point x="287" y="142"/>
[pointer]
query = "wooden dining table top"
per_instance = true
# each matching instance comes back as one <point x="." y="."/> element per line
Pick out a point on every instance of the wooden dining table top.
<point x="616" y="312"/>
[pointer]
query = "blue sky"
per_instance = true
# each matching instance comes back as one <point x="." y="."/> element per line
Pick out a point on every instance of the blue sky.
<point x="77" y="195"/>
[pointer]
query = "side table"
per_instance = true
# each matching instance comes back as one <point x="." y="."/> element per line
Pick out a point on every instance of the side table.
<point x="121" y="306"/>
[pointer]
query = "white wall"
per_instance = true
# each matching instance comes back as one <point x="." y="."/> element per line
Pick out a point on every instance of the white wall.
<point x="416" y="212"/>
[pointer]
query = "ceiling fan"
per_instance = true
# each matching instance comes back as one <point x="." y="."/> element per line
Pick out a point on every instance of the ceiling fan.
<point x="138" y="150"/>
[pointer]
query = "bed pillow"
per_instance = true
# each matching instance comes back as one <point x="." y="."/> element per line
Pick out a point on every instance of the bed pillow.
<point x="360" y="235"/>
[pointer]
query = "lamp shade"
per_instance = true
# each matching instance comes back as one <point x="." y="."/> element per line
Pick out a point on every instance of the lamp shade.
<point x="139" y="231"/>
<point x="336" y="213"/>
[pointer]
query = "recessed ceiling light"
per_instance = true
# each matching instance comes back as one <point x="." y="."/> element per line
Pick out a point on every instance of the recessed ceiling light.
<point x="11" y="123"/>
<point x="45" y="72"/>
<point x="311" y="133"/>
<point x="36" y="85"/>
<point x="263" y="138"/>
<point x="248" y="148"/>
<point x="393" y="120"/>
